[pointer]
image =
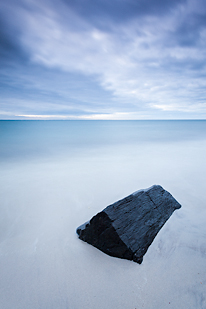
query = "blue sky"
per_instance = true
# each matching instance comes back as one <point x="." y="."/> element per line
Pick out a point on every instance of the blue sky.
<point x="103" y="59"/>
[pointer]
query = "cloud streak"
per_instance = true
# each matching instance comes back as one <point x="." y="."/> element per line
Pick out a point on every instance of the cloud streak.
<point x="141" y="58"/>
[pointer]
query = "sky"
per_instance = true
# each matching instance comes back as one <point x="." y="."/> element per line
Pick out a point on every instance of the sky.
<point x="103" y="59"/>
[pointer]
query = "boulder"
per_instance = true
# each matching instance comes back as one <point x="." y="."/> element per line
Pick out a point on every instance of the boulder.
<point x="127" y="228"/>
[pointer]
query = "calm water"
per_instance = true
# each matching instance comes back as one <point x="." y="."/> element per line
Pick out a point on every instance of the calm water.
<point x="26" y="139"/>
<point x="55" y="175"/>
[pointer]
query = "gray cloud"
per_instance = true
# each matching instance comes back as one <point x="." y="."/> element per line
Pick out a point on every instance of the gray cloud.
<point x="9" y="46"/>
<point x="141" y="57"/>
<point x="120" y="11"/>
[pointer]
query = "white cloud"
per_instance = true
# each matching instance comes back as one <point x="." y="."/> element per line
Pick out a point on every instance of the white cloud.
<point x="37" y="117"/>
<point x="91" y="116"/>
<point x="186" y="108"/>
<point x="140" y="62"/>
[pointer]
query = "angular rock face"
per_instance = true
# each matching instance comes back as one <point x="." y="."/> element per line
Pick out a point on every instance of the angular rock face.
<point x="127" y="228"/>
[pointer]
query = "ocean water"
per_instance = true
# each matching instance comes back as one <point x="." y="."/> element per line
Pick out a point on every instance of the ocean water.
<point x="55" y="175"/>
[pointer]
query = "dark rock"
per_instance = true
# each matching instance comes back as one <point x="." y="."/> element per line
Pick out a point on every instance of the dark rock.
<point x="127" y="228"/>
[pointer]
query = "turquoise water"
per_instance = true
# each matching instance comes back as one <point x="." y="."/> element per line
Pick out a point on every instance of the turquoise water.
<point x="26" y="139"/>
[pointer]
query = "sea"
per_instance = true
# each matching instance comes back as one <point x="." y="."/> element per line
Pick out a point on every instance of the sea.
<point x="56" y="175"/>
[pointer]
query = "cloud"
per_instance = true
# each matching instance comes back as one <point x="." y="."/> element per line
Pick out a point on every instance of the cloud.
<point x="144" y="55"/>
<point x="122" y="68"/>
<point x="104" y="13"/>
<point x="108" y="116"/>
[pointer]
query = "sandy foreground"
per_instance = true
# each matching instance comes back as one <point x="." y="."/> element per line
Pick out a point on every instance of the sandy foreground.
<point x="43" y="264"/>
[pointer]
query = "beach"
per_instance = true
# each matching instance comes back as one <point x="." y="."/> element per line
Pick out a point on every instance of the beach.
<point x="56" y="175"/>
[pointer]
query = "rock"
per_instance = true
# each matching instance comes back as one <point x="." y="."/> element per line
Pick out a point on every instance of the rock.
<point x="127" y="228"/>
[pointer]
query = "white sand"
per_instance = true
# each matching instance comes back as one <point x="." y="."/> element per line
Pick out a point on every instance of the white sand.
<point x="44" y="265"/>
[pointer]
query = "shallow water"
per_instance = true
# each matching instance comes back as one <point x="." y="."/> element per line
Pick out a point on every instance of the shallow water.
<point x="55" y="175"/>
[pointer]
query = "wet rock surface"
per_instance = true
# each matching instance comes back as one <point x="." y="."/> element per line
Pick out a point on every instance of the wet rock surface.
<point x="127" y="228"/>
